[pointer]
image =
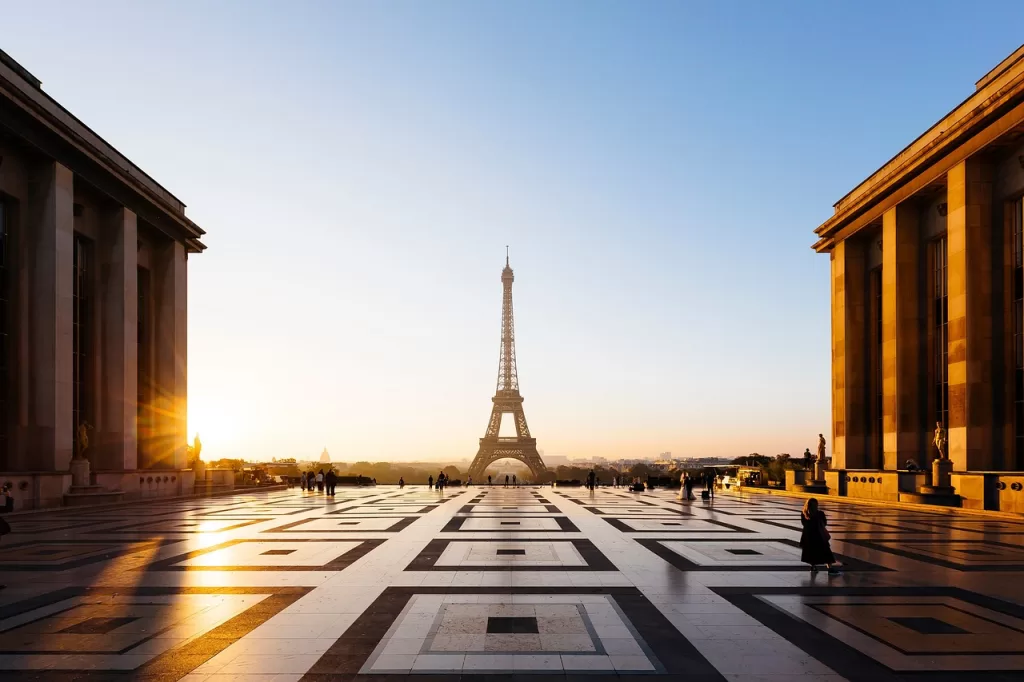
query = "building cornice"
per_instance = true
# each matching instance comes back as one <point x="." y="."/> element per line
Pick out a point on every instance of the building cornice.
<point x="69" y="141"/>
<point x="998" y="94"/>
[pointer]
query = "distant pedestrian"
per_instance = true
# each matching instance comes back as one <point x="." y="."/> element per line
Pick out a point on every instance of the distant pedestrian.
<point x="488" y="480"/>
<point x="310" y="480"/>
<point x="506" y="480"/>
<point x="331" y="480"/>
<point x="302" y="482"/>
<point x="814" y="540"/>
<point x="469" y="481"/>
<point x="515" y="482"/>
<point x="320" y="481"/>
<point x="401" y="482"/>
<point x="430" y="481"/>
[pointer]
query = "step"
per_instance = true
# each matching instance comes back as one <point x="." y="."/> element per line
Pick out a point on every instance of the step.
<point x="82" y="496"/>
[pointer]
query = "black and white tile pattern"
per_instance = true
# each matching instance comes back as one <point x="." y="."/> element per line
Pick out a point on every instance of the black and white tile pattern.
<point x="381" y="584"/>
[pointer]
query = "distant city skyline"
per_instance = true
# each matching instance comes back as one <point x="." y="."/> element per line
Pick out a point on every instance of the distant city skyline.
<point x="656" y="169"/>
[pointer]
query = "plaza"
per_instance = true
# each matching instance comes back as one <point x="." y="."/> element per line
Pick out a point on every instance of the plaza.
<point x="533" y="583"/>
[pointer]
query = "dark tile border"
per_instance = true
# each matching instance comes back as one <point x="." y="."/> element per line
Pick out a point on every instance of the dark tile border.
<point x="844" y="659"/>
<point x="135" y="510"/>
<point x="619" y="524"/>
<point x="594" y="558"/>
<point x="550" y="509"/>
<point x="646" y="515"/>
<point x="565" y="525"/>
<point x="120" y="547"/>
<point x="248" y="512"/>
<point x="906" y="545"/>
<point x="90" y="523"/>
<point x="684" y="564"/>
<point x="337" y="564"/>
<point x="678" y="657"/>
<point x="141" y="527"/>
<point x="403" y="523"/>
<point x="963" y="525"/>
<point x="176" y="662"/>
<point x="424" y="509"/>
<point x="877" y="527"/>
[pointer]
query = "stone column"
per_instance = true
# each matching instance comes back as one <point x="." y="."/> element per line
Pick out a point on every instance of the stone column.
<point x="969" y="236"/>
<point x="849" y="346"/>
<point x="50" y="238"/>
<point x="169" y="399"/>
<point x="118" y="259"/>
<point x="903" y="322"/>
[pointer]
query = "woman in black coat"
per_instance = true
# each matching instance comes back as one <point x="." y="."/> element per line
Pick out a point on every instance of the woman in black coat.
<point x="814" y="540"/>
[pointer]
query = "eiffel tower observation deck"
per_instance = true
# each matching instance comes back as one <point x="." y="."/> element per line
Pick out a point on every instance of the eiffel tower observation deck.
<point x="507" y="400"/>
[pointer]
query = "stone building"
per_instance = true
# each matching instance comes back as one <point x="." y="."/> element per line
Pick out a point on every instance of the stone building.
<point x="93" y="259"/>
<point x="928" y="305"/>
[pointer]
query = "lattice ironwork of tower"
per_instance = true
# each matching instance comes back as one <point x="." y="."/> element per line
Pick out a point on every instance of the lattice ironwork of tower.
<point x="507" y="400"/>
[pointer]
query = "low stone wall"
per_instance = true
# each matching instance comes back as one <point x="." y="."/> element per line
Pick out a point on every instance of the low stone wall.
<point x="991" y="490"/>
<point x="45" y="489"/>
<point x="37" y="489"/>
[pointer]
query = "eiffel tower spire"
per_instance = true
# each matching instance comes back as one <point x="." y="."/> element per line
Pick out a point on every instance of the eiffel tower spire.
<point x="508" y="377"/>
<point x="507" y="399"/>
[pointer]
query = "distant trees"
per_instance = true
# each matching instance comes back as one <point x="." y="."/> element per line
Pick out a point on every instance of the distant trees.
<point x="753" y="460"/>
<point x="226" y="463"/>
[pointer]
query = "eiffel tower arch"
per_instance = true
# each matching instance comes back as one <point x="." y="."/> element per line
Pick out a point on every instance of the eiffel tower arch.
<point x="507" y="400"/>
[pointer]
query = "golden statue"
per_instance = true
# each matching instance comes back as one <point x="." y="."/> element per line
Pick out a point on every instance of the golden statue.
<point x="83" y="438"/>
<point x="940" y="440"/>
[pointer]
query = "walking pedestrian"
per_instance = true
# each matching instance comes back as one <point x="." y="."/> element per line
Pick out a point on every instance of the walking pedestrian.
<point x="488" y="480"/>
<point x="506" y="480"/>
<point x="515" y="483"/>
<point x="331" y="479"/>
<point x="430" y="481"/>
<point x="302" y="481"/>
<point x="814" y="540"/>
<point x="320" y="481"/>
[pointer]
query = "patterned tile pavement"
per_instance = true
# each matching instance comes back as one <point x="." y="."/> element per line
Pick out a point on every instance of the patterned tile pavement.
<point x="537" y="584"/>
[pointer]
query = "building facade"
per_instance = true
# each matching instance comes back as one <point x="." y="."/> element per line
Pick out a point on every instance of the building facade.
<point x="93" y="284"/>
<point x="928" y="301"/>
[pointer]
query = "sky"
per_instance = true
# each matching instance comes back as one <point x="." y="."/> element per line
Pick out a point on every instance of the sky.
<point x="657" y="170"/>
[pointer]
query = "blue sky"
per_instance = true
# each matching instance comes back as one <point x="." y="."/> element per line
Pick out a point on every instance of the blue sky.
<point x="656" y="168"/>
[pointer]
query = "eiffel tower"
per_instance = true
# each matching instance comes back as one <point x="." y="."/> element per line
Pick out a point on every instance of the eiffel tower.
<point x="507" y="401"/>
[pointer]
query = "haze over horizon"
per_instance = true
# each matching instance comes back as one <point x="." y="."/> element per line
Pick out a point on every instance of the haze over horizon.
<point x="657" y="170"/>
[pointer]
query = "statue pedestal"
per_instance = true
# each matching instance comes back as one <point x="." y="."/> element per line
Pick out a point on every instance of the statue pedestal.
<point x="941" y="482"/>
<point x="80" y="473"/>
<point x="82" y="492"/>
<point x="940" y="492"/>
<point x="819" y="471"/>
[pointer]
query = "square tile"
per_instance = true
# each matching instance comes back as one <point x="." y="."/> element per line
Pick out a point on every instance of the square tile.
<point x="271" y="555"/>
<point x="509" y="631"/>
<point x="871" y="634"/>
<point x="99" y="633"/>
<point x="482" y="555"/>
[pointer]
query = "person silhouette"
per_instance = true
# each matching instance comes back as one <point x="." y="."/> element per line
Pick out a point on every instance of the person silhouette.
<point x="506" y="480"/>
